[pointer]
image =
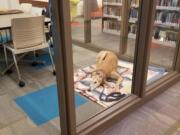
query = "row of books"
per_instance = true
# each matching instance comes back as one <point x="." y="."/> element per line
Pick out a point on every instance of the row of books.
<point x="112" y="11"/>
<point x="158" y="34"/>
<point x="113" y="1"/>
<point x="134" y="2"/>
<point x="170" y="3"/>
<point x="132" y="28"/>
<point x="108" y="10"/>
<point x="161" y="16"/>
<point x="133" y="13"/>
<point x="164" y="35"/>
<point x="168" y="17"/>
<point x="115" y="25"/>
<point x="112" y="25"/>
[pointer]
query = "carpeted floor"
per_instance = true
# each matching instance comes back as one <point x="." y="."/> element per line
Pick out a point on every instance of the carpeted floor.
<point x="13" y="121"/>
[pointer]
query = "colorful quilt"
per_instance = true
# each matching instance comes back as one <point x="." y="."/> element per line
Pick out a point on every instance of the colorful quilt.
<point x="82" y="80"/>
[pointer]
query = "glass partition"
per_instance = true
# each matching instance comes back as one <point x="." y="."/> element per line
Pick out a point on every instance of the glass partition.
<point x="104" y="78"/>
<point x="105" y="24"/>
<point x="164" y="39"/>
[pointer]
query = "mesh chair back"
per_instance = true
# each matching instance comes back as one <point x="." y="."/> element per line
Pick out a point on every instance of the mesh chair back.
<point x="28" y="32"/>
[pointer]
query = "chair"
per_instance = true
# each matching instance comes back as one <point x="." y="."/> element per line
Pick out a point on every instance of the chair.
<point x="28" y="36"/>
<point x="5" y="38"/>
<point x="48" y="27"/>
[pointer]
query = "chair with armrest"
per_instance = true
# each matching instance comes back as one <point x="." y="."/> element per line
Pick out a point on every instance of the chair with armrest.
<point x="28" y="36"/>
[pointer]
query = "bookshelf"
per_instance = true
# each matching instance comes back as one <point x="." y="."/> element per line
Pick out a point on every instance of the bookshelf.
<point x="166" y="24"/>
<point x="111" y="16"/>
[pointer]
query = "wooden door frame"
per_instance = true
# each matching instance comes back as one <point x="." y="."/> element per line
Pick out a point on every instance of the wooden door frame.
<point x="61" y="26"/>
<point x="142" y="48"/>
<point x="107" y="118"/>
<point x="176" y="62"/>
<point x="87" y="22"/>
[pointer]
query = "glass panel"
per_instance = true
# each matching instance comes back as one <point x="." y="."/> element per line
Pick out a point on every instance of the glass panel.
<point x="106" y="17"/>
<point x="103" y="79"/>
<point x="132" y="28"/>
<point x="77" y="19"/>
<point x="28" y="99"/>
<point x="164" y="38"/>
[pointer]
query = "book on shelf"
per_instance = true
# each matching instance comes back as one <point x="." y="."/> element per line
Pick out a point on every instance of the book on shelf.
<point x="113" y="25"/>
<point x="110" y="10"/>
<point x="168" y="17"/>
<point x="133" y="13"/>
<point x="134" y="3"/>
<point x="168" y="3"/>
<point x="113" y="1"/>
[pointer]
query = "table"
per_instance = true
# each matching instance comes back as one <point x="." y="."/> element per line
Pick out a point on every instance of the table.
<point x="5" y="22"/>
<point x="36" y="3"/>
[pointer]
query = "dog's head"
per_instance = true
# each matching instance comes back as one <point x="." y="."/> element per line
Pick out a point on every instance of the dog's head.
<point x="97" y="78"/>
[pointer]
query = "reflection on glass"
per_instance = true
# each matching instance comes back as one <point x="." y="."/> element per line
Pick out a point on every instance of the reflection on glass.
<point x="165" y="32"/>
<point x="77" y="19"/>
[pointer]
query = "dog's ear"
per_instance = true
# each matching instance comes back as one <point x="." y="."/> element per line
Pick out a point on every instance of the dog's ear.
<point x="101" y="56"/>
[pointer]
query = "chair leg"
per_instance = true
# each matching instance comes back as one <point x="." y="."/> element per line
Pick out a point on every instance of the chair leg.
<point x="34" y="63"/>
<point x="9" y="71"/>
<point x="52" y="61"/>
<point x="50" y="40"/>
<point x="5" y="51"/>
<point x="21" y="83"/>
<point x="5" y="55"/>
<point x="34" y="53"/>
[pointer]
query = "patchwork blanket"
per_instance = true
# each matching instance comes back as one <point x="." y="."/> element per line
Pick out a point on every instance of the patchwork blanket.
<point x="106" y="95"/>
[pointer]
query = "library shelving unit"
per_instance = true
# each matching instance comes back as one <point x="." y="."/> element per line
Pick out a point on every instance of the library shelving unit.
<point x="166" y="24"/>
<point x="111" y="16"/>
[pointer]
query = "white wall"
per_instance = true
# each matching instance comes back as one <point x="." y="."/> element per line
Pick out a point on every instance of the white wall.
<point x="4" y="4"/>
<point x="37" y="10"/>
<point x="9" y="4"/>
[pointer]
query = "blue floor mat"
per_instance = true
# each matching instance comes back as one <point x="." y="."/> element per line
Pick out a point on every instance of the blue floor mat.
<point x="42" y="106"/>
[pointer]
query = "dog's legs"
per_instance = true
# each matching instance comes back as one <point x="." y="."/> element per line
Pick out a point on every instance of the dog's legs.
<point x="115" y="75"/>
